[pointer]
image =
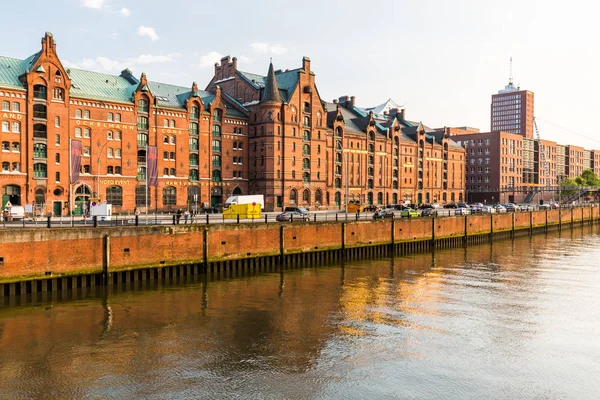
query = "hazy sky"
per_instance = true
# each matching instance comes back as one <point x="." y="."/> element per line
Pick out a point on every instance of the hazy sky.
<point x="443" y="59"/>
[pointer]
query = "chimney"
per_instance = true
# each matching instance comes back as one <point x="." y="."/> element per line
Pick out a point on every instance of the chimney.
<point x="402" y="115"/>
<point x="353" y="101"/>
<point x="306" y="64"/>
<point x="234" y="59"/>
<point x="393" y="112"/>
<point x="225" y="60"/>
<point x="48" y="43"/>
<point x="127" y="75"/>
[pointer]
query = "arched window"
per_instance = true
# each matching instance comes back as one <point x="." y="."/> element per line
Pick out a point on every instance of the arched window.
<point x="194" y="176"/>
<point x="40" y="92"/>
<point x="193" y="160"/>
<point x="338" y="183"/>
<point x="39" y="150"/>
<point x="338" y="145"/>
<point x="370" y="198"/>
<point x="306" y="121"/>
<point x="216" y="130"/>
<point x="142" y="123"/>
<point x="217" y="115"/>
<point x="216" y="175"/>
<point x="338" y="131"/>
<point x="338" y="198"/>
<point x="169" y="196"/>
<point x="306" y="150"/>
<point x="306" y="135"/>
<point x="40" y="170"/>
<point x="379" y="198"/>
<point x="114" y="195"/>
<point x="293" y="174"/>
<point x="306" y="196"/>
<point x="194" y="112"/>
<point x="39" y="131"/>
<point x="306" y="163"/>
<point x="141" y="173"/>
<point x="293" y="196"/>
<point x="142" y="139"/>
<point x="372" y="136"/>
<point x="40" y="195"/>
<point x="143" y="106"/>
<point x="306" y="177"/>
<point x="193" y="128"/>
<point x="172" y="124"/>
<point x="319" y="196"/>
<point x="141" y="196"/>
<point x="39" y="111"/>
<point x="194" y="144"/>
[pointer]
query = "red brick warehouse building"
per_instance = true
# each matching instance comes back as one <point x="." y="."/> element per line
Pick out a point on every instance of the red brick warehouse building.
<point x="245" y="134"/>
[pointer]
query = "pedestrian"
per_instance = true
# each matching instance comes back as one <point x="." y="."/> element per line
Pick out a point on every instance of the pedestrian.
<point x="178" y="214"/>
<point x="186" y="214"/>
<point x="136" y="211"/>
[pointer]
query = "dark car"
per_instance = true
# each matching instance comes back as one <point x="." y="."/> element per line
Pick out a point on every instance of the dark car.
<point x="301" y="210"/>
<point x="461" y="204"/>
<point x="370" y="208"/>
<point x="291" y="216"/>
<point x="428" y="212"/>
<point x="425" y="206"/>
<point x="385" y="213"/>
<point x="450" y="205"/>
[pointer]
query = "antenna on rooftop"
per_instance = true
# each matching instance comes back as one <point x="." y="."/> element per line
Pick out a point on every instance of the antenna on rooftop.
<point x="510" y="78"/>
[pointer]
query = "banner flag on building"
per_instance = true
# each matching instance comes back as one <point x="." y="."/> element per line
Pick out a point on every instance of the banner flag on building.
<point x="75" y="160"/>
<point x="152" y="165"/>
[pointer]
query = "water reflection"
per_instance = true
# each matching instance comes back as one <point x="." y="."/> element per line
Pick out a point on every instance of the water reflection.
<point x="512" y="319"/>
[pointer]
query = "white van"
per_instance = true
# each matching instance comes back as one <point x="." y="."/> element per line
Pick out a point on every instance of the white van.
<point x="16" y="213"/>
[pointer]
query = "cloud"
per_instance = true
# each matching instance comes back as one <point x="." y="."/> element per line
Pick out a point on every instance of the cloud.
<point x="126" y="12"/>
<point x="105" y="64"/>
<point x="262" y="47"/>
<point x="148" y="31"/>
<point x="209" y="59"/>
<point x="245" y="59"/>
<point x="95" y="4"/>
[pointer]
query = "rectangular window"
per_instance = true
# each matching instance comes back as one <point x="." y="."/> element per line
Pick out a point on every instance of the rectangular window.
<point x="110" y="116"/>
<point x="117" y="117"/>
<point x="16" y="127"/>
<point x="117" y="135"/>
<point x="86" y="132"/>
<point x="78" y="113"/>
<point x="86" y="114"/>
<point x="117" y="153"/>
<point x="5" y="126"/>
<point x="57" y="122"/>
<point x="16" y="107"/>
<point x="5" y="105"/>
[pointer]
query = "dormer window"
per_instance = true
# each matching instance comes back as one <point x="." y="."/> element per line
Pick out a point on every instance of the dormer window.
<point x="143" y="106"/>
<point x="194" y="112"/>
<point x="40" y="92"/>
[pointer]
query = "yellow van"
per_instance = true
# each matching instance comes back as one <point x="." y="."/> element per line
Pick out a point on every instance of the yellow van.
<point x="355" y="207"/>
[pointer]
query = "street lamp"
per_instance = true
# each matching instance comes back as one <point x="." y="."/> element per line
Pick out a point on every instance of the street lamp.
<point x="98" y="170"/>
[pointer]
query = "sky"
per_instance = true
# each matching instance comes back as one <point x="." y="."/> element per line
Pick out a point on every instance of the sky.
<point x="441" y="59"/>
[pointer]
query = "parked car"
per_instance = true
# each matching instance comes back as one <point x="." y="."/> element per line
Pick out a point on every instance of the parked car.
<point x="544" y="206"/>
<point x="424" y="206"/>
<point x="300" y="210"/>
<point x="510" y="207"/>
<point x="462" y="211"/>
<point x="499" y="208"/>
<point x="488" y="210"/>
<point x="410" y="213"/>
<point x="461" y="204"/>
<point x="428" y="212"/>
<point x="450" y="205"/>
<point x="436" y="205"/>
<point x="292" y="216"/>
<point x="384" y="213"/>
<point x="370" y="208"/>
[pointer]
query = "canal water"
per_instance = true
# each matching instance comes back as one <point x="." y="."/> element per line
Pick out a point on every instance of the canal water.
<point x="512" y="320"/>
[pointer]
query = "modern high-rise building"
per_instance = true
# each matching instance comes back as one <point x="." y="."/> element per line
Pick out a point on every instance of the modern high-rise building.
<point x="512" y="110"/>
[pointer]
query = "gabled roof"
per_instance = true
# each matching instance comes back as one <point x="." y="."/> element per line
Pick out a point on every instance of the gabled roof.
<point x="355" y="118"/>
<point x="384" y="107"/>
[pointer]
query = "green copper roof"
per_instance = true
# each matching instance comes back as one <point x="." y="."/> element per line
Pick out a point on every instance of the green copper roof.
<point x="9" y="73"/>
<point x="286" y="81"/>
<point x="98" y="86"/>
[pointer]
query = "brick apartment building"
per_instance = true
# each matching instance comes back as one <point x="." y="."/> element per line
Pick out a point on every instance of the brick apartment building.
<point x="244" y="134"/>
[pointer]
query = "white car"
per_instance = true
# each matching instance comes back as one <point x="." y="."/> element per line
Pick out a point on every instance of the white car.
<point x="462" y="211"/>
<point x="489" y="210"/>
<point x="500" y="208"/>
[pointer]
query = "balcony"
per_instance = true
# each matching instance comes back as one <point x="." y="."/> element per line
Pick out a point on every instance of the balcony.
<point x="142" y="143"/>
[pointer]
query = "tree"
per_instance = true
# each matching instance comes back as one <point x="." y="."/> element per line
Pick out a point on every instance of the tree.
<point x="569" y="186"/>
<point x="589" y="178"/>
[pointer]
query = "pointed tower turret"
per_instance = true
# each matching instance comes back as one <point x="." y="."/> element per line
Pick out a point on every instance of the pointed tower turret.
<point x="271" y="88"/>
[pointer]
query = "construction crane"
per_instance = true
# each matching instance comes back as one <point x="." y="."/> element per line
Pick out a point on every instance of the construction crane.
<point x="543" y="162"/>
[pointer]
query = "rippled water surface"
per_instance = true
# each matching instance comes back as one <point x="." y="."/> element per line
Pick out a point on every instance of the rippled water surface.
<point x="513" y="320"/>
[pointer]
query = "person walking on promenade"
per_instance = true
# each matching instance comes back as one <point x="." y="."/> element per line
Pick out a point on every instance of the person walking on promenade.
<point x="186" y="215"/>
<point x="178" y="214"/>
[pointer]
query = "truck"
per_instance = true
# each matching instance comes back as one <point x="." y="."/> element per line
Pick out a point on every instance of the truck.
<point x="245" y="199"/>
<point x="102" y="211"/>
<point x="243" y="211"/>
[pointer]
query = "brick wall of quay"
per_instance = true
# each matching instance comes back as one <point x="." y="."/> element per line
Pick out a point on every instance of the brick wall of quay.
<point x="34" y="254"/>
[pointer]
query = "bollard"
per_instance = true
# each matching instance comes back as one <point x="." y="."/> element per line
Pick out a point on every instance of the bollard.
<point x="336" y="217"/>
<point x="206" y="219"/>
<point x="49" y="222"/>
<point x="265" y="218"/>
<point x="137" y="220"/>
<point x="174" y="219"/>
<point x="95" y="221"/>
<point x="315" y="217"/>
<point x="238" y="218"/>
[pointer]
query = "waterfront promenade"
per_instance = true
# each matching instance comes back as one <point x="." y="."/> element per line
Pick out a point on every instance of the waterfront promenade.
<point x="40" y="260"/>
